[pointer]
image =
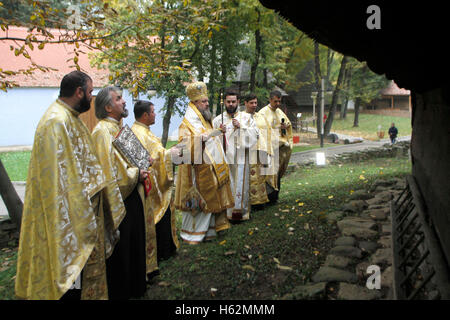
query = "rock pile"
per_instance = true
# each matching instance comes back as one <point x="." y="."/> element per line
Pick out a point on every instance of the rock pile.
<point x="365" y="240"/>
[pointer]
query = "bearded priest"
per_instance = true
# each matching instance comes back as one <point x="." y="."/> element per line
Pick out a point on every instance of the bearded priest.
<point x="240" y="136"/>
<point x="64" y="237"/>
<point x="134" y="256"/>
<point x="203" y="191"/>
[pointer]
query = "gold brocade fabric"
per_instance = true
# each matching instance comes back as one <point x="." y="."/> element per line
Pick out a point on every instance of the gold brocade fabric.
<point x="61" y="224"/>
<point x="126" y="177"/>
<point x="218" y="196"/>
<point x="115" y="168"/>
<point x="161" y="174"/>
<point x="258" y="193"/>
<point x="285" y="143"/>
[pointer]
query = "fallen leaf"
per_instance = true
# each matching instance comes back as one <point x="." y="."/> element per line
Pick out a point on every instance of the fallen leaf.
<point x="229" y="253"/>
<point x="309" y="211"/>
<point x="291" y="229"/>
<point x="222" y="242"/>
<point x="287" y="210"/>
<point x="284" y="268"/>
<point x="361" y="177"/>
<point x="316" y="252"/>
<point x="276" y="260"/>
<point x="163" y="284"/>
<point x="301" y="204"/>
<point x="306" y="226"/>
<point x="330" y="197"/>
<point x="248" y="267"/>
<point x="247" y="246"/>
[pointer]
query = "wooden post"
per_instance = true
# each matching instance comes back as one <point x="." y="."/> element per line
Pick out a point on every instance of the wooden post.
<point x="392" y="102"/>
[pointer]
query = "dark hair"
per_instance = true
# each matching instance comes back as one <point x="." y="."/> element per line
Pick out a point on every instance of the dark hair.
<point x="140" y="107"/>
<point x="275" y="93"/>
<point x="249" y="97"/>
<point x="230" y="92"/>
<point x="71" y="82"/>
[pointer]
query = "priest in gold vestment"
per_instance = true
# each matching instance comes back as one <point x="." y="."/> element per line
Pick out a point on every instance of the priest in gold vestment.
<point x="134" y="256"/>
<point x="281" y="136"/>
<point x="64" y="236"/>
<point x="261" y="156"/>
<point x="203" y="191"/>
<point x="240" y="136"/>
<point x="160" y="200"/>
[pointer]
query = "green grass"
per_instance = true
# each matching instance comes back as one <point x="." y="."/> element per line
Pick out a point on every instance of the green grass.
<point x="311" y="147"/>
<point x="242" y="263"/>
<point x="368" y="126"/>
<point x="227" y="263"/>
<point x="16" y="164"/>
<point x="8" y="260"/>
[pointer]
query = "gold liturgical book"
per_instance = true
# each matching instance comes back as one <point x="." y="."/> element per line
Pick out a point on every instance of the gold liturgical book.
<point x="132" y="149"/>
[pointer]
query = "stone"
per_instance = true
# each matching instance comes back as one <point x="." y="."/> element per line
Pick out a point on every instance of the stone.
<point x="361" y="233"/>
<point x="378" y="214"/>
<point x="376" y="201"/>
<point x="387" y="277"/>
<point x="385" y="241"/>
<point x="384" y="195"/>
<point x="354" y="292"/>
<point x="375" y="206"/>
<point x="384" y="183"/>
<point x="335" y="216"/>
<point x="361" y="195"/>
<point x="368" y="246"/>
<point x="315" y="290"/>
<point x="329" y="274"/>
<point x="357" y="222"/>
<point x="355" y="206"/>
<point x="361" y="270"/>
<point x="382" y="256"/>
<point x="386" y="229"/>
<point x="345" y="241"/>
<point x="346" y="251"/>
<point x="337" y="261"/>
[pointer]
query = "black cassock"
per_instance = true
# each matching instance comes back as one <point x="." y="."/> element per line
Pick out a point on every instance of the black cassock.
<point x="126" y="268"/>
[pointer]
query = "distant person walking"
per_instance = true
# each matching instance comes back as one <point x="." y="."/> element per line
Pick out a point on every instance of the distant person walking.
<point x="393" y="133"/>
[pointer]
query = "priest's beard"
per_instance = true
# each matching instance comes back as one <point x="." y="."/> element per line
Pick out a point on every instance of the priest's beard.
<point x="84" y="105"/>
<point x="206" y="114"/>
<point x="124" y="114"/>
<point x="231" y="111"/>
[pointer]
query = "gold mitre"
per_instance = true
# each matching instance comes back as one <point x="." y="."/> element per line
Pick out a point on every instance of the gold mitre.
<point x="196" y="91"/>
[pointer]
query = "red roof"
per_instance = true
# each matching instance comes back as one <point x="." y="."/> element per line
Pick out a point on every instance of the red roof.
<point x="393" y="90"/>
<point x="53" y="55"/>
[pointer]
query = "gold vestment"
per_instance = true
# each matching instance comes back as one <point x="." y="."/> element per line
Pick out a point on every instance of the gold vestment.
<point x="285" y="143"/>
<point x="62" y="230"/>
<point x="126" y="177"/>
<point x="212" y="180"/>
<point x="161" y="175"/>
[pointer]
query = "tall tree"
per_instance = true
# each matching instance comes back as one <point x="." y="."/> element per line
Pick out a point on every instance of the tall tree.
<point x="334" y="99"/>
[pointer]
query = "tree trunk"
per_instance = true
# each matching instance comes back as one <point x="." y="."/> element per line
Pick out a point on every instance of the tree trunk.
<point x="334" y="99"/>
<point x="10" y="197"/>
<point x="318" y="77"/>
<point x="255" y="63"/>
<point x="254" y="66"/>
<point x="166" y="120"/>
<point x="356" y="121"/>
<point x="347" y="86"/>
